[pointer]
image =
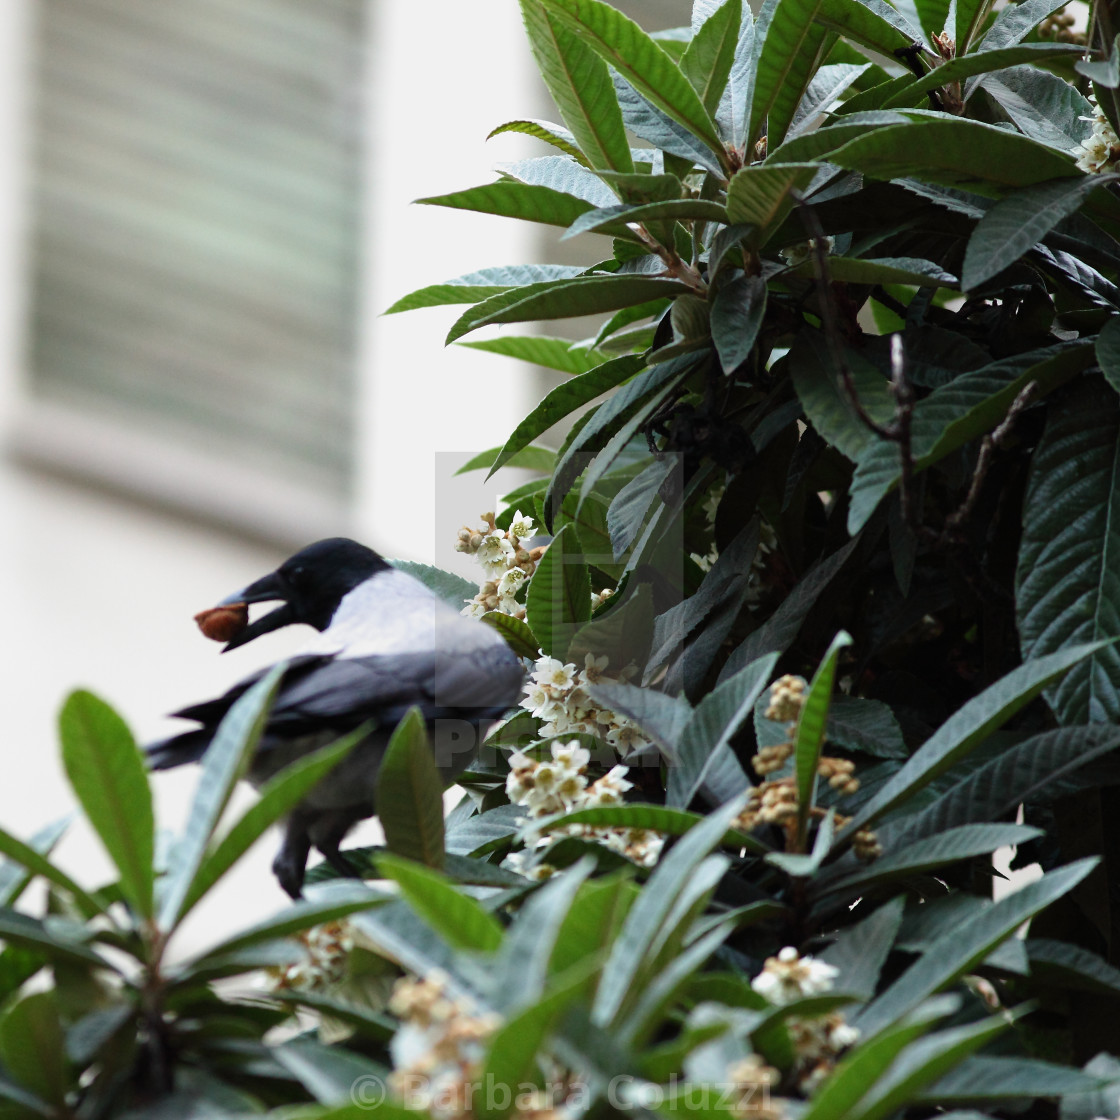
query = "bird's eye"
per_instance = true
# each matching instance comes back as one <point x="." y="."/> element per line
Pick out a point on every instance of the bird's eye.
<point x="295" y="575"/>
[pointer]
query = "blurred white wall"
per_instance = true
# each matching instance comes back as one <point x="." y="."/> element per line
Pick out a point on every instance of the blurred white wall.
<point x="100" y="591"/>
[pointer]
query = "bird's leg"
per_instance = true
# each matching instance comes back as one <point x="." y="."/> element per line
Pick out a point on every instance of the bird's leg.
<point x="329" y="831"/>
<point x="290" y="863"/>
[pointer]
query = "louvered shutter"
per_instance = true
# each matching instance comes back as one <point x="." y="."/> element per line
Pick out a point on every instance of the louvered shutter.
<point x="195" y="215"/>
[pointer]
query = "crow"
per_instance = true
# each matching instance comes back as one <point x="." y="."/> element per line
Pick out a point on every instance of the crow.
<point x="386" y="644"/>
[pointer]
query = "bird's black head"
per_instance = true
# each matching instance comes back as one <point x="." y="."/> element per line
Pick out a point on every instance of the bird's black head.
<point x="310" y="584"/>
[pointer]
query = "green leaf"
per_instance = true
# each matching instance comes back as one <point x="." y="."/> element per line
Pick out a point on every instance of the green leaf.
<point x="669" y="210"/>
<point x="883" y="270"/>
<point x="531" y="458"/>
<point x="225" y="762"/>
<point x="1044" y="107"/>
<point x="29" y="857"/>
<point x="827" y="85"/>
<point x="1015" y="23"/>
<point x="662" y="718"/>
<point x="654" y="818"/>
<point x="515" y="1048"/>
<point x="581" y="86"/>
<point x="517" y="634"/>
<point x="715" y="721"/>
<point x="1108" y="352"/>
<point x="923" y="1062"/>
<point x="1066" y="588"/>
<point x="108" y="775"/>
<point x="928" y="854"/>
<point x="972" y="940"/>
<point x="811" y="724"/>
<point x="552" y="353"/>
<point x="475" y="286"/>
<point x="1018" y="222"/>
<point x="410" y="794"/>
<point x="737" y="314"/>
<point x="51" y="941"/>
<point x="449" y="587"/>
<point x="458" y="918"/>
<point x="861" y="950"/>
<point x="548" y="132"/>
<point x="559" y="595"/>
<point x="805" y="866"/>
<point x="870" y="23"/>
<point x="951" y="416"/>
<point x="793" y="48"/>
<point x="329" y="1073"/>
<point x="1070" y="966"/>
<point x="559" y="173"/>
<point x="763" y="195"/>
<point x="969" y="16"/>
<point x="995" y="1077"/>
<point x="621" y="43"/>
<point x="833" y="136"/>
<point x="14" y="877"/>
<point x="1029" y="771"/>
<point x="332" y="900"/>
<point x="982" y="62"/>
<point x="969" y="726"/>
<point x="956" y="152"/>
<point x="825" y="401"/>
<point x="563" y="299"/>
<point x="708" y="58"/>
<point x="564" y="400"/>
<point x="33" y="1048"/>
<point x="867" y="726"/>
<point x="860" y="1070"/>
<point x="527" y="201"/>
<point x="277" y="798"/>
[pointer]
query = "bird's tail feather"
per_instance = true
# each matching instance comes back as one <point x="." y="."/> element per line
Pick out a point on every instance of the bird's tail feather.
<point x="189" y="746"/>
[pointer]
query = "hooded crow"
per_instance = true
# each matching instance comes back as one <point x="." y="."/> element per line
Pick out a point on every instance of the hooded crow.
<point x="386" y="644"/>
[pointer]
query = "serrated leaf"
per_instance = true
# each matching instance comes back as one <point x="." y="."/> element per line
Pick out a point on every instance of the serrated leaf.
<point x="1108" y="352"/>
<point x="809" y="740"/>
<point x="565" y="299"/>
<point x="110" y="780"/>
<point x="826" y="86"/>
<point x="954" y="151"/>
<point x="559" y="595"/>
<point x="52" y="942"/>
<point x="954" y="414"/>
<point x="36" y="862"/>
<point x="1071" y="966"/>
<point x="662" y="718"/>
<point x="331" y="1073"/>
<point x="1018" y="222"/>
<point x="463" y="922"/>
<point x="708" y="58"/>
<point x="580" y="84"/>
<point x="968" y="727"/>
<point x="531" y="458"/>
<point x="714" y="722"/>
<point x="621" y="43"/>
<point x="998" y="1078"/>
<point x="553" y="353"/>
<point x="1066" y="588"/>
<point x="832" y="136"/>
<point x="550" y="133"/>
<point x="629" y="507"/>
<point x="762" y="195"/>
<point x="409" y="798"/>
<point x="967" y="19"/>
<point x="861" y="950"/>
<point x="972" y="940"/>
<point x="737" y="313"/>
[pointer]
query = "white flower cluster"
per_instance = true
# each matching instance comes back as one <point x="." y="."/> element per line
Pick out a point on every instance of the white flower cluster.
<point x="560" y="784"/>
<point x="505" y="561"/>
<point x="557" y="693"/>
<point x="440" y="1047"/>
<point x="327" y="952"/>
<point x="1101" y="151"/>
<point x="818" y="1041"/>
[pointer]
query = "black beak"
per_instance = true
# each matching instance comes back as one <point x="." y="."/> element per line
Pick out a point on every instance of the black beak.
<point x="265" y="590"/>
